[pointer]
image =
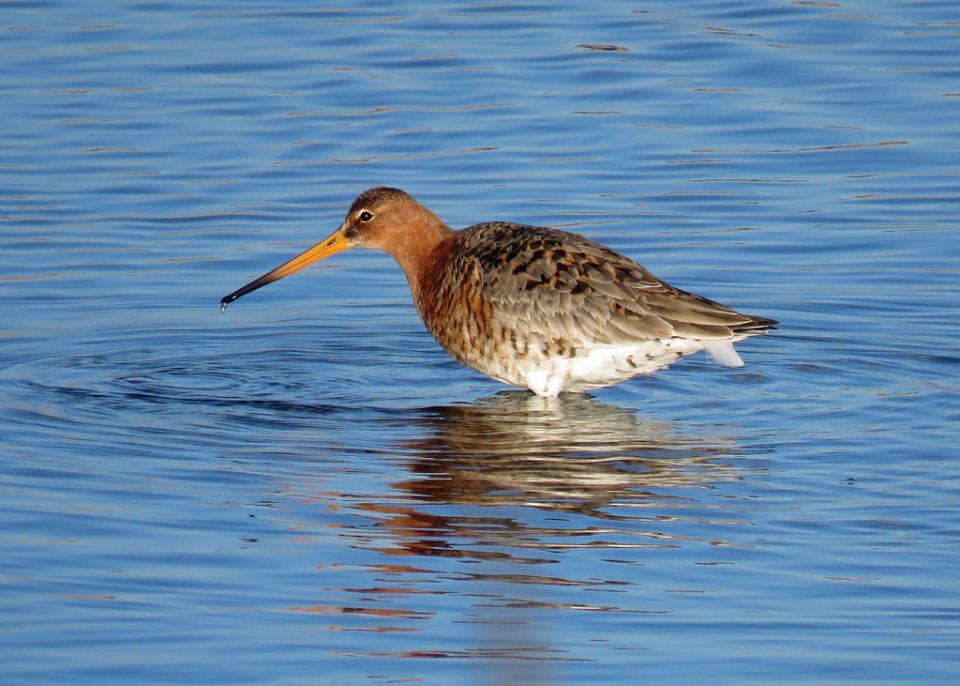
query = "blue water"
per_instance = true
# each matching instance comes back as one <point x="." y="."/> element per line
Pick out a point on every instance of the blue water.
<point x="306" y="489"/>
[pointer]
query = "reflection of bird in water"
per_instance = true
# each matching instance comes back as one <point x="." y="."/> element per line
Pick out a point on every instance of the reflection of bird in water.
<point x="568" y="451"/>
<point x="547" y="474"/>
<point x="532" y="306"/>
<point x="507" y="485"/>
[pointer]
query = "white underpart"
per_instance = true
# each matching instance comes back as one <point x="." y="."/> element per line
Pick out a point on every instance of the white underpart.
<point x="604" y="365"/>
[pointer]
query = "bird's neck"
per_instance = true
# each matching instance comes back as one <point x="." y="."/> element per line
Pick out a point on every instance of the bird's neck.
<point x="422" y="251"/>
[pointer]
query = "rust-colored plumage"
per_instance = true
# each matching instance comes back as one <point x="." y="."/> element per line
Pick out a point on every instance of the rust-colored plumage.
<point x="532" y="306"/>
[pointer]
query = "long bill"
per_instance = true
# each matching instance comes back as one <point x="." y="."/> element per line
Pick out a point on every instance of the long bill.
<point x="331" y="245"/>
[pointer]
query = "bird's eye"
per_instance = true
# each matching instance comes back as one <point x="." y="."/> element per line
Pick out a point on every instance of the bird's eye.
<point x="366" y="216"/>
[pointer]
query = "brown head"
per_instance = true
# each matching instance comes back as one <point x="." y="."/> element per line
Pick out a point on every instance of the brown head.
<point x="383" y="218"/>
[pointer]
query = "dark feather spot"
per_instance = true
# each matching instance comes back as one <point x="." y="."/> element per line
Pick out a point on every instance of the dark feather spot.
<point x="582" y="286"/>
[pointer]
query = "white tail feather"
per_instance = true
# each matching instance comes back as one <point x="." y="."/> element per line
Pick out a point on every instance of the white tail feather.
<point x="723" y="352"/>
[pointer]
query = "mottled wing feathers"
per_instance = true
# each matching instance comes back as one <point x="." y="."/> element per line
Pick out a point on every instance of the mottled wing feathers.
<point x="574" y="289"/>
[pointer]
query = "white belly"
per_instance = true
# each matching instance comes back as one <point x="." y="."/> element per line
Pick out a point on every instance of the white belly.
<point x="598" y="366"/>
